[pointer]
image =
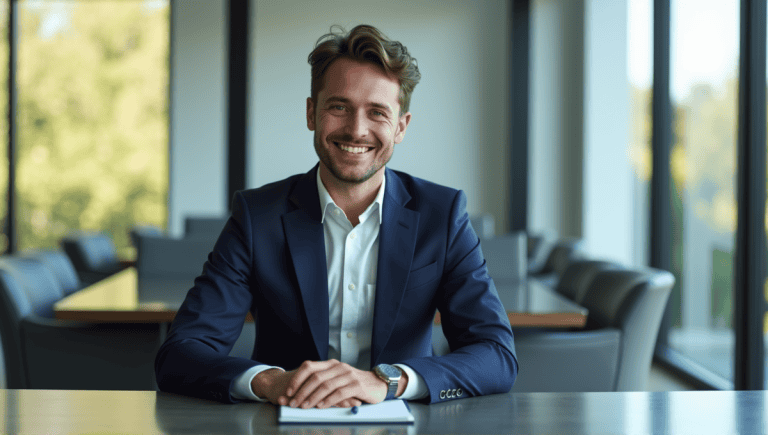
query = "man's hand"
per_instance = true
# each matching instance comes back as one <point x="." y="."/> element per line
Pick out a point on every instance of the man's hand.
<point x="323" y="384"/>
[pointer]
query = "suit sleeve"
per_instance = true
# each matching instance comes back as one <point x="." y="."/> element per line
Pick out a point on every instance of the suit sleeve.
<point x="482" y="360"/>
<point x="194" y="359"/>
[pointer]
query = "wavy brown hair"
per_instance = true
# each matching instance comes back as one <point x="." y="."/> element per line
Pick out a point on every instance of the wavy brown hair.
<point x="366" y="44"/>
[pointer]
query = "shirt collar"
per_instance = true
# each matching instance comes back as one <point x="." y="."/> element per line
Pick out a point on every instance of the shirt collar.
<point x="326" y="201"/>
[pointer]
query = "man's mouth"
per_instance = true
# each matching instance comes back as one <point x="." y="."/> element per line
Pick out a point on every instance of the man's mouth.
<point x="352" y="149"/>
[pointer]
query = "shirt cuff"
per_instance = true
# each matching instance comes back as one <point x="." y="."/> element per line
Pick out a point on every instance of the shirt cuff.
<point x="416" y="388"/>
<point x="241" y="387"/>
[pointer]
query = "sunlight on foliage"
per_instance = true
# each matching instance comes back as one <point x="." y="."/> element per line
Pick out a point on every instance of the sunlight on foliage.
<point x="93" y="119"/>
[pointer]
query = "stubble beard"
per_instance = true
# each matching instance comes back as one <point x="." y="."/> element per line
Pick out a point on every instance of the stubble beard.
<point x="325" y="158"/>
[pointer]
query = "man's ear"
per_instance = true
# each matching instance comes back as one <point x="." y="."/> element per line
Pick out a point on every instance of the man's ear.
<point x="310" y="114"/>
<point x="402" y="125"/>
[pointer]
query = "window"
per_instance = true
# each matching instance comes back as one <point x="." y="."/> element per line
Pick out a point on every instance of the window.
<point x="640" y="68"/>
<point x="92" y="141"/>
<point x="704" y="93"/>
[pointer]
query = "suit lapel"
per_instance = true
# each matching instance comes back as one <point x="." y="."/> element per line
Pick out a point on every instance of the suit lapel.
<point x="397" y="241"/>
<point x="306" y="245"/>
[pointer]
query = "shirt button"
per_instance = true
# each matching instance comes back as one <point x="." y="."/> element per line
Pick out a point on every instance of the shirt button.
<point x="352" y="236"/>
<point x="336" y="212"/>
<point x="349" y="335"/>
<point x="351" y="286"/>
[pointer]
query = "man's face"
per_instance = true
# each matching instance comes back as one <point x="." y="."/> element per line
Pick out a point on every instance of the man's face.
<point x="356" y="120"/>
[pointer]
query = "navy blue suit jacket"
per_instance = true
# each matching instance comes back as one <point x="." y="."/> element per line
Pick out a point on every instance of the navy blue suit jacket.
<point x="270" y="260"/>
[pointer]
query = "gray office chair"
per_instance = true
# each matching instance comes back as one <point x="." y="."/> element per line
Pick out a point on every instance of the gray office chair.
<point x="44" y="353"/>
<point x="204" y="226"/>
<point x="484" y="225"/>
<point x="563" y="252"/>
<point x="505" y="257"/>
<point x="93" y="254"/>
<point x="60" y="265"/>
<point x="578" y="276"/>
<point x="166" y="264"/>
<point x="614" y="353"/>
<point x="539" y="247"/>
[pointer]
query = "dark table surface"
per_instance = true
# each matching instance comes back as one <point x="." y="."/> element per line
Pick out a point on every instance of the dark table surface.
<point x="148" y="412"/>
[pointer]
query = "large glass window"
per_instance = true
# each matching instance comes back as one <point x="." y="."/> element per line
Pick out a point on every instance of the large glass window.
<point x="704" y="88"/>
<point x="92" y="146"/>
<point x="640" y="68"/>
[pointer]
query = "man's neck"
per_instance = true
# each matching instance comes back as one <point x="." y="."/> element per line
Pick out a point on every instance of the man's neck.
<point x="353" y="198"/>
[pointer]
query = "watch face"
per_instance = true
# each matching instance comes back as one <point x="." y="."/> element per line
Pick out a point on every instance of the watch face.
<point x="388" y="370"/>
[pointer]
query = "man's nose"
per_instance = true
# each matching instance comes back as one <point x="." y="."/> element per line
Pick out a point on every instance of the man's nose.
<point x="358" y="125"/>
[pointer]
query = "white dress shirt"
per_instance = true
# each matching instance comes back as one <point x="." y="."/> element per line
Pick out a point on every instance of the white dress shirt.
<point x="352" y="259"/>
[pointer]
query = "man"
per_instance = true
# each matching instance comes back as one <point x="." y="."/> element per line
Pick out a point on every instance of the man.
<point x="344" y="267"/>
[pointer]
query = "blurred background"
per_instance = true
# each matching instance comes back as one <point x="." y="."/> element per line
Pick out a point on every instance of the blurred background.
<point x="123" y="118"/>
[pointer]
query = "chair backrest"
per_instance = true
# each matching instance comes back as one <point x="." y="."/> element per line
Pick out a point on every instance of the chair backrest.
<point x="26" y="287"/>
<point x="143" y="231"/>
<point x="539" y="247"/>
<point x="505" y="256"/>
<point x="563" y="252"/>
<point x="201" y="226"/>
<point x="579" y="274"/>
<point x="91" y="252"/>
<point x="484" y="225"/>
<point x="633" y="301"/>
<point x="60" y="265"/>
<point x="168" y="258"/>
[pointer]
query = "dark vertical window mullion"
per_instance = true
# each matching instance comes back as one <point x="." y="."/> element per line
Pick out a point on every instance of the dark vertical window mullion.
<point x="661" y="144"/>
<point x="750" y="256"/>
<point x="237" y="96"/>
<point x="519" y="96"/>
<point x="10" y="217"/>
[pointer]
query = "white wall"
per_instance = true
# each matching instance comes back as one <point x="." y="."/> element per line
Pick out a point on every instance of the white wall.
<point x="581" y="179"/>
<point x="197" y="111"/>
<point x="608" y="173"/>
<point x="556" y="103"/>
<point x="458" y="135"/>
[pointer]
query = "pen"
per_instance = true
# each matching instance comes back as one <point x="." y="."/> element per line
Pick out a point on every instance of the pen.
<point x="354" y="409"/>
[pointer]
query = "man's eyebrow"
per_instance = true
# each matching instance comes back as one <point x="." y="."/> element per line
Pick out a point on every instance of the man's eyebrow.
<point x="336" y="99"/>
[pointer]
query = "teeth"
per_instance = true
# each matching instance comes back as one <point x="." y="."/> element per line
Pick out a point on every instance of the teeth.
<point x="354" y="150"/>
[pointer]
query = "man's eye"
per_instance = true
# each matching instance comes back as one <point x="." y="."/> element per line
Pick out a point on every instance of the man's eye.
<point x="377" y="113"/>
<point x="337" y="107"/>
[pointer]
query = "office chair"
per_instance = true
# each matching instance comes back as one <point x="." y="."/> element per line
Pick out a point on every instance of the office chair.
<point x="484" y="225"/>
<point x="204" y="226"/>
<point x="93" y="255"/>
<point x="45" y="353"/>
<point x="505" y="257"/>
<point x="578" y="276"/>
<point x="60" y="265"/>
<point x="614" y="352"/>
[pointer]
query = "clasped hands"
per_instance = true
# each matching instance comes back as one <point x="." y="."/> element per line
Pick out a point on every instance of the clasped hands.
<point x="322" y="384"/>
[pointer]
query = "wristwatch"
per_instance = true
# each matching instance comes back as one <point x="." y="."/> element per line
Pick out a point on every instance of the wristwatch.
<point x="391" y="375"/>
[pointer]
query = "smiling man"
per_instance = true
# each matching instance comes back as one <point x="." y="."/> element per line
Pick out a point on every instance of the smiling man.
<point x="344" y="267"/>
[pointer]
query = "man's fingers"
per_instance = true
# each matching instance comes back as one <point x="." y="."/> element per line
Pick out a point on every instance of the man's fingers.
<point x="318" y="385"/>
<point x="307" y="369"/>
<point x="339" y="395"/>
<point x="332" y="392"/>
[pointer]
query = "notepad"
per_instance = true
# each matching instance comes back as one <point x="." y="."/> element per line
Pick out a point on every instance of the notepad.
<point x="387" y="412"/>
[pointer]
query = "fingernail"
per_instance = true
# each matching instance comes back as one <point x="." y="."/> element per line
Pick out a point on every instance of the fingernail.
<point x="289" y="392"/>
<point x="305" y="405"/>
<point x="319" y="404"/>
<point x="293" y="403"/>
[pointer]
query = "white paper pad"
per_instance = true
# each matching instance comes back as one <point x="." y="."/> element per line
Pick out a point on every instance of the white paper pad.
<point x="387" y="412"/>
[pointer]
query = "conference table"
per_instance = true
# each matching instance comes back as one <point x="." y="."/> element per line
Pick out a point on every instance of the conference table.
<point x="149" y="412"/>
<point x="123" y="298"/>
